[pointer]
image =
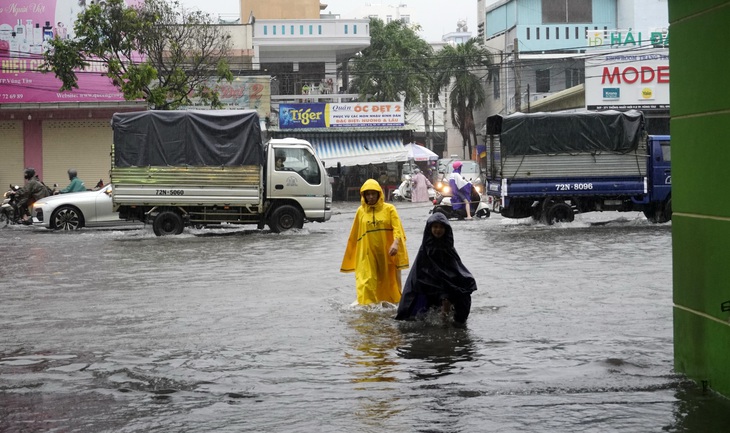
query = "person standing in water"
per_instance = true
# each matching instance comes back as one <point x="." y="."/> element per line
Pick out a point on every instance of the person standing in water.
<point x="438" y="278"/>
<point x="376" y="248"/>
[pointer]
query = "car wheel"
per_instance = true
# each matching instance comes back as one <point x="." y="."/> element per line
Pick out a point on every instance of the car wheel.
<point x="66" y="218"/>
<point x="168" y="223"/>
<point x="286" y="217"/>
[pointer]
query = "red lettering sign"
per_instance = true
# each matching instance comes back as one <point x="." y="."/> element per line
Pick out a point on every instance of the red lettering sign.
<point x="630" y="75"/>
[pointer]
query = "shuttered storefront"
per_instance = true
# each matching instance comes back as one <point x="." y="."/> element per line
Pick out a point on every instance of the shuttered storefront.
<point x="11" y="154"/>
<point x="81" y="144"/>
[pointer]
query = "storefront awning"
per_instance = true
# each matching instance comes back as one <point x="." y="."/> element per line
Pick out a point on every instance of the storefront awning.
<point x="362" y="150"/>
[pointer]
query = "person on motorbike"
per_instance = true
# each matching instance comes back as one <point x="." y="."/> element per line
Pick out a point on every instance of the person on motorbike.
<point x="28" y="194"/>
<point x="76" y="185"/>
<point x="460" y="191"/>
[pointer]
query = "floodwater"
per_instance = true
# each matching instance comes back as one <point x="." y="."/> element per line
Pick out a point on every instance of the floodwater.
<point x="236" y="330"/>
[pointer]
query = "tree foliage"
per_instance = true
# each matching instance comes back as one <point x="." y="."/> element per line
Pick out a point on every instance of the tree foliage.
<point x="156" y="51"/>
<point x="462" y="70"/>
<point x="394" y="67"/>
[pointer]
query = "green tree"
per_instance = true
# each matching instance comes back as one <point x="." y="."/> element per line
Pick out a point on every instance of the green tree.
<point x="461" y="72"/>
<point x="157" y="51"/>
<point x="394" y="67"/>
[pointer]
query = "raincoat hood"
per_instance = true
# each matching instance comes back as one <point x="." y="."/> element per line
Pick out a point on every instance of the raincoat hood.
<point x="371" y="185"/>
<point x="446" y="241"/>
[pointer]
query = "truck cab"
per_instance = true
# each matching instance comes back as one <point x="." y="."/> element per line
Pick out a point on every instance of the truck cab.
<point x="659" y="178"/>
<point x="297" y="185"/>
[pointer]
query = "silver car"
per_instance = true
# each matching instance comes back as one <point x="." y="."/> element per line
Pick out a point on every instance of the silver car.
<point x="75" y="210"/>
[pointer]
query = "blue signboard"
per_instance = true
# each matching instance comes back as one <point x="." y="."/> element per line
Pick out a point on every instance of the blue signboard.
<point x="297" y="116"/>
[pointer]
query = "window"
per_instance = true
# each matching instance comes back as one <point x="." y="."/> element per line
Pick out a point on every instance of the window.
<point x="301" y="30"/>
<point x="299" y="161"/>
<point x="354" y="29"/>
<point x="319" y="30"/>
<point x="406" y="19"/>
<point x="537" y="33"/>
<point x="266" y="30"/>
<point x="567" y="11"/>
<point x="345" y="28"/>
<point x="388" y="19"/>
<point x="310" y="29"/>
<point x="273" y="30"/>
<point x="528" y="33"/>
<point x="542" y="80"/>
<point x="574" y="77"/>
<point x="292" y="30"/>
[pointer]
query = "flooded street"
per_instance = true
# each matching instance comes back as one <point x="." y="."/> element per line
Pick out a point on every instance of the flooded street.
<point x="236" y="330"/>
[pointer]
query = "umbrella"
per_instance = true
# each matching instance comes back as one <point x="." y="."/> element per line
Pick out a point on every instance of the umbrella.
<point x="416" y="152"/>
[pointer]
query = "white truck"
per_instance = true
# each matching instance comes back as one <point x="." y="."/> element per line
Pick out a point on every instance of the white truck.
<point x="174" y="169"/>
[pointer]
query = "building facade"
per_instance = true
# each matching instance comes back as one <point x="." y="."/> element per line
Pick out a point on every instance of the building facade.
<point x="543" y="46"/>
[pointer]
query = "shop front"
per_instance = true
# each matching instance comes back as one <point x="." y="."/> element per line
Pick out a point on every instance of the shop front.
<point x="356" y="141"/>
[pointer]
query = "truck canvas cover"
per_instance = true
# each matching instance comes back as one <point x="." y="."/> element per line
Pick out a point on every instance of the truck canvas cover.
<point x="555" y="133"/>
<point x="187" y="138"/>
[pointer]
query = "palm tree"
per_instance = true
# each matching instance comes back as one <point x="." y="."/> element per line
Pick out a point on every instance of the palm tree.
<point x="461" y="70"/>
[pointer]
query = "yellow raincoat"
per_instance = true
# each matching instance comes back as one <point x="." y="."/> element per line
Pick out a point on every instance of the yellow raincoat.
<point x="372" y="234"/>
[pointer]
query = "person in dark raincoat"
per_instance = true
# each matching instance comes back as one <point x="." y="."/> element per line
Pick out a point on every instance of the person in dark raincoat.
<point x="438" y="278"/>
<point x="376" y="249"/>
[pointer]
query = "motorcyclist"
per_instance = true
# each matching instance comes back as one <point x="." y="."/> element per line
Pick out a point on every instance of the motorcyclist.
<point x="460" y="191"/>
<point x="28" y="194"/>
<point x="76" y="185"/>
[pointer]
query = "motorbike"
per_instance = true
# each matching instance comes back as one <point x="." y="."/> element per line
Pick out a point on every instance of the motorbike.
<point x="9" y="209"/>
<point x="403" y="193"/>
<point x="442" y="204"/>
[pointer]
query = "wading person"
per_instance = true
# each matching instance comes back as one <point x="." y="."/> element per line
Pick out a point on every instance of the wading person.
<point x="376" y="249"/>
<point x="438" y="278"/>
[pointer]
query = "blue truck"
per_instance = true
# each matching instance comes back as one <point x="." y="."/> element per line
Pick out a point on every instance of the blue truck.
<point x="551" y="166"/>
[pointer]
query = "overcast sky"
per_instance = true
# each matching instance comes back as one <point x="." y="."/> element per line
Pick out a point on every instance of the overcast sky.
<point x="435" y="16"/>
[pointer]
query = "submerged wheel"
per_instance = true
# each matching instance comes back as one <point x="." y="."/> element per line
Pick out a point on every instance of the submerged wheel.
<point x="66" y="218"/>
<point x="168" y="223"/>
<point x="286" y="217"/>
<point x="668" y="210"/>
<point x="559" y="213"/>
<point x="482" y="213"/>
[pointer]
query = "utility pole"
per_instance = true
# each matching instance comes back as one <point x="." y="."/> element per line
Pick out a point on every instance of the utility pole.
<point x="518" y="97"/>
<point x="429" y="137"/>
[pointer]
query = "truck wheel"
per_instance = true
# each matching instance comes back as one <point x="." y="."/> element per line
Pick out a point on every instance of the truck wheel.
<point x="668" y="210"/>
<point x="286" y="217"/>
<point x="168" y="223"/>
<point x="651" y="214"/>
<point x="559" y="213"/>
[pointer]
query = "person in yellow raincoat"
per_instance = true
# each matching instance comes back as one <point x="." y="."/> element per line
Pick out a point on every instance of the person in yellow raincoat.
<point x="376" y="249"/>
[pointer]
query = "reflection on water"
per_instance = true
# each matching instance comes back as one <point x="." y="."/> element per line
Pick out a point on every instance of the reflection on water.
<point x="444" y="348"/>
<point x="376" y="339"/>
